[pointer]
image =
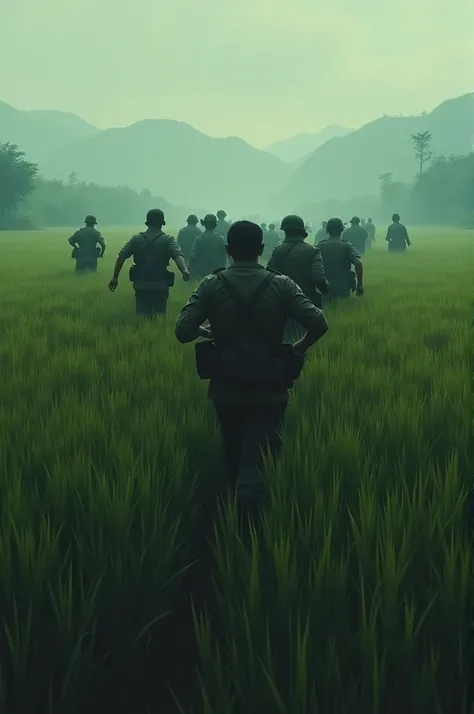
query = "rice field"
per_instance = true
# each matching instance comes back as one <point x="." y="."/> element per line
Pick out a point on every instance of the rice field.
<point x="356" y="594"/>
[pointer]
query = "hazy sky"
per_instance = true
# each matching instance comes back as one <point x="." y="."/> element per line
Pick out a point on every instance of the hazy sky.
<point x="259" y="69"/>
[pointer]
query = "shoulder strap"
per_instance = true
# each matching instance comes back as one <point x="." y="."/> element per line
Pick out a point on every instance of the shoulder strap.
<point x="246" y="307"/>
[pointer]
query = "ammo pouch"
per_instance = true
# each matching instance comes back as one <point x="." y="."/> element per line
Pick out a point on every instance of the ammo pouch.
<point x="248" y="364"/>
<point x="135" y="274"/>
<point x="352" y="282"/>
<point x="74" y="253"/>
<point x="170" y="278"/>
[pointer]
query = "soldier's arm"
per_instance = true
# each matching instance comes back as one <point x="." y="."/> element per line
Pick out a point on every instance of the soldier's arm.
<point x="193" y="315"/>
<point x="176" y="254"/>
<point x="306" y="314"/>
<point x="387" y="237"/>
<point x="73" y="240"/>
<point x="357" y="263"/>
<point x="194" y="252"/>
<point x="407" y="239"/>
<point x="101" y="242"/>
<point x="317" y="271"/>
<point x="124" y="254"/>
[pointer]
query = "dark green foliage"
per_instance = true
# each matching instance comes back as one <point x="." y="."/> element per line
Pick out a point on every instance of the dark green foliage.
<point x="16" y="181"/>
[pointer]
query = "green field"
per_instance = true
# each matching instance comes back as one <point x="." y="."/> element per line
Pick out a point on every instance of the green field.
<point x="356" y="596"/>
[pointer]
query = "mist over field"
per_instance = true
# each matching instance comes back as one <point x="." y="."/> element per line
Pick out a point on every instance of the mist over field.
<point x="134" y="578"/>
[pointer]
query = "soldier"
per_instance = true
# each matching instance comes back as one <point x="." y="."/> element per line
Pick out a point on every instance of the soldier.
<point x="272" y="238"/>
<point x="151" y="251"/>
<point x="263" y="226"/>
<point x="301" y="262"/>
<point x="338" y="257"/>
<point x="187" y="235"/>
<point x="397" y="235"/>
<point x="321" y="233"/>
<point x="370" y="228"/>
<point x="247" y="306"/>
<point x="356" y="235"/>
<point x="222" y="225"/>
<point x="208" y="251"/>
<point x="88" y="245"/>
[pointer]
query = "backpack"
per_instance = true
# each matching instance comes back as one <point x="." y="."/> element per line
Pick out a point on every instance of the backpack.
<point x="147" y="270"/>
<point x="248" y="363"/>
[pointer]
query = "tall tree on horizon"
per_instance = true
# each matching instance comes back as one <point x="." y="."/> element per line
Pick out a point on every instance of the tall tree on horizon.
<point x="422" y="144"/>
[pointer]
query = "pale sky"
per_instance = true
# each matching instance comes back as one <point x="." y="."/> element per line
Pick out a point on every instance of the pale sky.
<point x="260" y="69"/>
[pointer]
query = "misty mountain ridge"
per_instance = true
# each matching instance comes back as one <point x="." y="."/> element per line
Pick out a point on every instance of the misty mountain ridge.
<point x="295" y="148"/>
<point x="349" y="166"/>
<point x="39" y="133"/>
<point x="175" y="160"/>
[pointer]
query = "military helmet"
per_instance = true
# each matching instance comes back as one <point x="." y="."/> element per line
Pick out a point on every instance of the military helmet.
<point x="272" y="226"/>
<point x="90" y="220"/>
<point x="192" y="219"/>
<point x="155" y="216"/>
<point x="221" y="214"/>
<point x="395" y="217"/>
<point x="209" y="220"/>
<point x="334" y="226"/>
<point x="355" y="220"/>
<point x="293" y="223"/>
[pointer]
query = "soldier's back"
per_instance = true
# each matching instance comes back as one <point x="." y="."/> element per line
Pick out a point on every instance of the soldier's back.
<point x="294" y="259"/>
<point x="87" y="239"/>
<point x="357" y="236"/>
<point x="186" y="238"/>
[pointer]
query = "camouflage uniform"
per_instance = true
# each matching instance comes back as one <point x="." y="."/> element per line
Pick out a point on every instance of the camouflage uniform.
<point x="356" y="235"/>
<point x="208" y="251"/>
<point x="186" y="238"/>
<point x="303" y="263"/>
<point x="152" y="251"/>
<point x="251" y="420"/>
<point x="338" y="257"/>
<point x="397" y="237"/>
<point x="86" y="250"/>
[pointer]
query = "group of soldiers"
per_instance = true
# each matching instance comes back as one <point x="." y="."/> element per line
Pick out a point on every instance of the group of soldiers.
<point x="249" y="315"/>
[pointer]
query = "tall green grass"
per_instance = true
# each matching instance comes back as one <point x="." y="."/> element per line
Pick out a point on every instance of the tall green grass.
<point x="353" y="595"/>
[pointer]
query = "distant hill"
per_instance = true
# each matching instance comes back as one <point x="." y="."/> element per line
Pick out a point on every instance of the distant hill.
<point x="173" y="159"/>
<point x="348" y="166"/>
<point x="299" y="146"/>
<point x="41" y="133"/>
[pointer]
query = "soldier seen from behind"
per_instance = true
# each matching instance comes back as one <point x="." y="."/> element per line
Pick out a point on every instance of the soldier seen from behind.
<point x="263" y="226"/>
<point x="152" y="251"/>
<point x="272" y="239"/>
<point x="321" y="233"/>
<point x="370" y="228"/>
<point x="301" y="262"/>
<point x="339" y="256"/>
<point x="397" y="235"/>
<point x="88" y="245"/>
<point x="357" y="235"/>
<point x="208" y="251"/>
<point x="223" y="226"/>
<point x="187" y="235"/>
<point x="249" y="368"/>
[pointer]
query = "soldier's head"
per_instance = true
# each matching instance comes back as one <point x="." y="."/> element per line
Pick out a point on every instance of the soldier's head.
<point x="192" y="220"/>
<point x="369" y="220"/>
<point x="396" y="218"/>
<point x="271" y="227"/>
<point x="245" y="241"/>
<point x="362" y="220"/>
<point x="324" y="224"/>
<point x="221" y="215"/>
<point x="155" y="218"/>
<point x="355" y="221"/>
<point x="334" y="227"/>
<point x="263" y="226"/>
<point x="90" y="221"/>
<point x="209" y="222"/>
<point x="293" y="226"/>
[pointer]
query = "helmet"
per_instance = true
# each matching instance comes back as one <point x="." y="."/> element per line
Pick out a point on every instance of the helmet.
<point x="395" y="217"/>
<point x="155" y="216"/>
<point x="355" y="220"/>
<point x="272" y="226"/>
<point x="221" y="214"/>
<point x="334" y="226"/>
<point x="192" y="219"/>
<point x="90" y="220"/>
<point x="209" y="220"/>
<point x="293" y="223"/>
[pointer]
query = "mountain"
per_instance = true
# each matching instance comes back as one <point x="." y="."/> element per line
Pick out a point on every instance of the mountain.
<point x="349" y="166"/>
<point x="41" y="133"/>
<point x="173" y="159"/>
<point x="299" y="146"/>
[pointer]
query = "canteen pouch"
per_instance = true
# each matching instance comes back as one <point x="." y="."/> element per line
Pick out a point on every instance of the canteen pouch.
<point x="74" y="253"/>
<point x="352" y="282"/>
<point x="170" y="278"/>
<point x="248" y="364"/>
<point x="132" y="273"/>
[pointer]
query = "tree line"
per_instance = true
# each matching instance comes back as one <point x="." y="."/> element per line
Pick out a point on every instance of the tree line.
<point x="29" y="201"/>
